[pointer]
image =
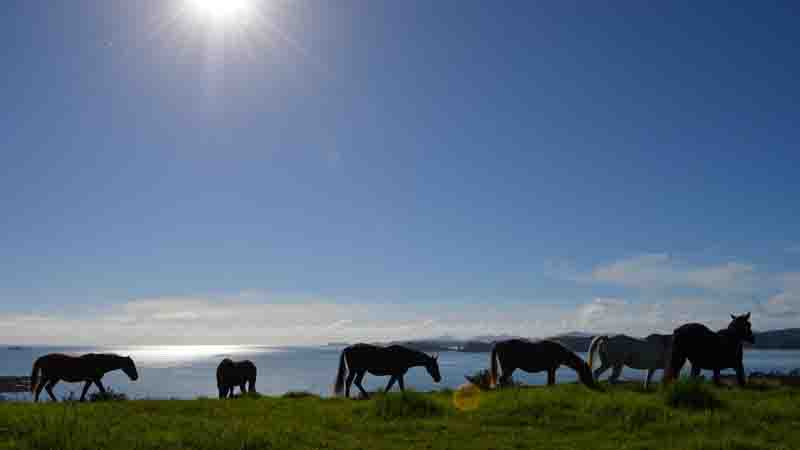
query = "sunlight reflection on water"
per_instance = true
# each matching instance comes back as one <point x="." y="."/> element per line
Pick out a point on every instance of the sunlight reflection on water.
<point x="179" y="355"/>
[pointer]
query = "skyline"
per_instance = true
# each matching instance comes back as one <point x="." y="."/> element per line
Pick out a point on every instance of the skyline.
<point x="371" y="170"/>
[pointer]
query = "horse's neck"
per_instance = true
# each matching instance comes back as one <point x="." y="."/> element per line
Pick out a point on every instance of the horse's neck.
<point x="729" y="337"/>
<point x="573" y="361"/>
<point x="417" y="359"/>
<point x="109" y="364"/>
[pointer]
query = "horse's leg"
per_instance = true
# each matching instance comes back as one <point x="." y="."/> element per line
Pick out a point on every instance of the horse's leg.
<point x="506" y="376"/>
<point x="401" y="382"/>
<point x="650" y="373"/>
<point x="49" y="389"/>
<point x="391" y="383"/>
<point x="241" y="389"/>
<point x="676" y="359"/>
<point x="39" y="388"/>
<point x="615" y="374"/>
<point x="599" y="371"/>
<point x="676" y="365"/>
<point x="716" y="377"/>
<point x="100" y="386"/>
<point x="551" y="376"/>
<point x="252" y="385"/>
<point x="85" y="390"/>
<point x="359" y="377"/>
<point x="348" y="382"/>
<point x="740" y="378"/>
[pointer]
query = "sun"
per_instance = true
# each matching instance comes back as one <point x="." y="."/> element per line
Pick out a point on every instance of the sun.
<point x="221" y="11"/>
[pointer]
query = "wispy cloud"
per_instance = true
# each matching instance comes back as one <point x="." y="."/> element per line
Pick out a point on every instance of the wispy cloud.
<point x="786" y="303"/>
<point x="721" y="288"/>
<point x="661" y="270"/>
<point x="264" y="318"/>
<point x="267" y="319"/>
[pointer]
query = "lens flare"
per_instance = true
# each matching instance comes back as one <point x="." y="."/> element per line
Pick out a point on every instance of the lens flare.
<point x="467" y="397"/>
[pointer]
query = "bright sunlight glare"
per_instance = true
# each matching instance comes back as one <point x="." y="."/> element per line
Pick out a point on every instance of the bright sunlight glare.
<point x="218" y="11"/>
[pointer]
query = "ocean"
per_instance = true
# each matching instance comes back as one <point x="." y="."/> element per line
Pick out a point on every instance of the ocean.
<point x="186" y="372"/>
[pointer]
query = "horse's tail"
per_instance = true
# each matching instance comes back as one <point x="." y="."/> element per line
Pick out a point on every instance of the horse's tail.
<point x="220" y="377"/>
<point x="35" y="374"/>
<point x="594" y="347"/>
<point x="338" y="385"/>
<point x="493" y="365"/>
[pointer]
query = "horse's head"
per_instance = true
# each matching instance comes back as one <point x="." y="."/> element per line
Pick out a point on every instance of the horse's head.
<point x="130" y="368"/>
<point x="740" y="327"/>
<point x="432" y="366"/>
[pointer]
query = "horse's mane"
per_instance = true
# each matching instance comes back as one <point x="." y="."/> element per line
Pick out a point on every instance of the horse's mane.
<point x="103" y="356"/>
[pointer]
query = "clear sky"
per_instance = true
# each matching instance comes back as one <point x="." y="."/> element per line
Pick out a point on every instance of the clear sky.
<point x="306" y="171"/>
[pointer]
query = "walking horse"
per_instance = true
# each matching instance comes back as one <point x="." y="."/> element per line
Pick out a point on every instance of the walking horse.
<point x="395" y="360"/>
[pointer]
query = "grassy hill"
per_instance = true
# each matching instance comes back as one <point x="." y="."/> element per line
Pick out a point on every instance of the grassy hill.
<point x="563" y="417"/>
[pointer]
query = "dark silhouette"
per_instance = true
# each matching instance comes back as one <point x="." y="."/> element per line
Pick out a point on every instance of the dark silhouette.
<point x="48" y="370"/>
<point x="394" y="360"/>
<point x="535" y="356"/>
<point x="708" y="350"/>
<point x="235" y="373"/>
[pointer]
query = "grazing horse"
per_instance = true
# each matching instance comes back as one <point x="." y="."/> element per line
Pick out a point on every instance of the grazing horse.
<point x="394" y="360"/>
<point x="617" y="351"/>
<point x="235" y="373"/>
<point x="535" y="356"/>
<point x="708" y="350"/>
<point x="88" y="368"/>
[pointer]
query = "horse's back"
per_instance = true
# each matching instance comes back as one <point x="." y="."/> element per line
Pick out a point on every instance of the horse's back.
<point x="231" y="372"/>
<point x="66" y="367"/>
<point x="247" y="368"/>
<point x="692" y="330"/>
<point x="357" y="354"/>
<point x="704" y="348"/>
<point x="379" y="360"/>
<point x="59" y="361"/>
<point x="531" y="356"/>
<point x="637" y="353"/>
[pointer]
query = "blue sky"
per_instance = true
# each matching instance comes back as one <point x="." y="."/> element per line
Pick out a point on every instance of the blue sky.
<point x="354" y="170"/>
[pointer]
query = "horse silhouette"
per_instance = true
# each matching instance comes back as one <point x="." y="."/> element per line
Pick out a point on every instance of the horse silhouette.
<point x="535" y="356"/>
<point x="235" y="373"/>
<point x="394" y="360"/>
<point x="621" y="350"/>
<point x="48" y="370"/>
<point x="710" y="350"/>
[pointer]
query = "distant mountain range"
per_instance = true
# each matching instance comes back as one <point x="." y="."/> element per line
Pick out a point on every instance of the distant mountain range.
<point x="788" y="339"/>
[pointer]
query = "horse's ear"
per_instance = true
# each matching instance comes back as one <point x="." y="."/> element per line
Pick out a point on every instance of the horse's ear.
<point x="733" y="316"/>
<point x="435" y="355"/>
<point x="747" y="316"/>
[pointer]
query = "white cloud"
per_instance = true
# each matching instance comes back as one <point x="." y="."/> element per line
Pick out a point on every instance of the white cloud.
<point x="783" y="304"/>
<point x="263" y="318"/>
<point x="659" y="270"/>
<point x="648" y="303"/>
<point x="786" y="303"/>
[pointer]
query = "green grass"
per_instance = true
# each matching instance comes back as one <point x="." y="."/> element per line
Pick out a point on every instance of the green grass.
<point x="562" y="417"/>
<point x="691" y="394"/>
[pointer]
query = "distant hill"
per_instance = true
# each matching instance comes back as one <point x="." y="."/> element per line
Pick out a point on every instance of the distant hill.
<point x="778" y="339"/>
